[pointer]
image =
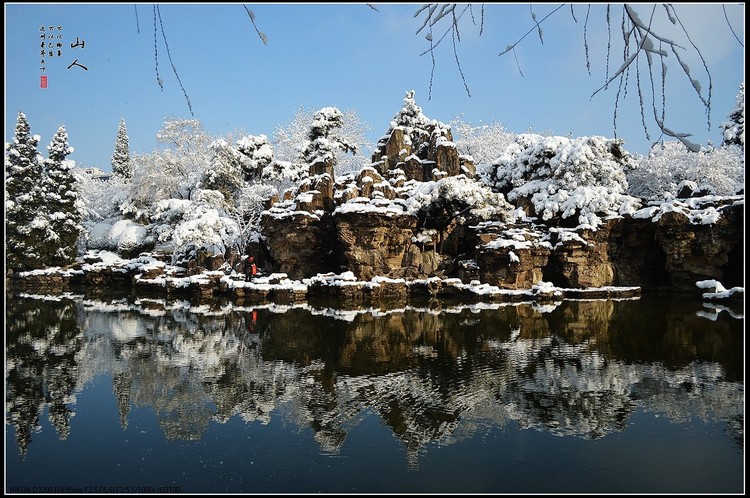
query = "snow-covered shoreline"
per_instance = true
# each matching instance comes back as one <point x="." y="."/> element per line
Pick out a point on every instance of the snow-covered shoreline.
<point x="148" y="276"/>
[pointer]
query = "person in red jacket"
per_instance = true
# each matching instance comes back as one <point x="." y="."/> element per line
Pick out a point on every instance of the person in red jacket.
<point x="250" y="268"/>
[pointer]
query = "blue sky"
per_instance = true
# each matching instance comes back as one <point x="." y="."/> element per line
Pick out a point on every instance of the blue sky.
<point x="352" y="57"/>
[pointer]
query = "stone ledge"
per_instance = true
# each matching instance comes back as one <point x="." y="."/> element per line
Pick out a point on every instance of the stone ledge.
<point x="278" y="288"/>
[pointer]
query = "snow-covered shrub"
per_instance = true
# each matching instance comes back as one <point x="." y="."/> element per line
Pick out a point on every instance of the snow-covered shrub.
<point x="128" y="238"/>
<point x="670" y="166"/>
<point x="458" y="196"/>
<point x="95" y="235"/>
<point x="124" y="237"/>
<point x="583" y="177"/>
<point x="200" y="224"/>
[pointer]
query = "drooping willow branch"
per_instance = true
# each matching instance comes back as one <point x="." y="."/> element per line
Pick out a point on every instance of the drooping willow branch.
<point x="434" y="13"/>
<point x="251" y="15"/>
<point x="157" y="17"/>
<point x="643" y="36"/>
<point x="169" y="56"/>
<point x="641" y="43"/>
<point x="724" y="8"/>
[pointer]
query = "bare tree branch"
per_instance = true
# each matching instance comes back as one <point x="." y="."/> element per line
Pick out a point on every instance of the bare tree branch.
<point x="174" y="69"/>
<point x="511" y="47"/>
<point x="251" y="15"/>
<point x="724" y="8"/>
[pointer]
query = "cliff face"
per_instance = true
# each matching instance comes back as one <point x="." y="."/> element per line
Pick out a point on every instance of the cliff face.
<point x="703" y="252"/>
<point x="374" y="244"/>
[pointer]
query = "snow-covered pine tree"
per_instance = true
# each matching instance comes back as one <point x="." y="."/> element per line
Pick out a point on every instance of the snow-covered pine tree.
<point x="257" y="154"/>
<point x="733" y="130"/>
<point x="410" y="115"/>
<point x="25" y="219"/>
<point x="415" y="125"/>
<point x="324" y="141"/>
<point x="62" y="201"/>
<point x="290" y="139"/>
<point x="121" y="164"/>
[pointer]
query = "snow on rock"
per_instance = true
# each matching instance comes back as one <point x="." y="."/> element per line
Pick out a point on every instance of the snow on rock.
<point x="719" y="291"/>
<point x="546" y="289"/>
<point x="126" y="235"/>
<point x="699" y="210"/>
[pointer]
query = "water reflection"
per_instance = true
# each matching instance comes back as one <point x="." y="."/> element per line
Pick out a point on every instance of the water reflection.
<point x="578" y="368"/>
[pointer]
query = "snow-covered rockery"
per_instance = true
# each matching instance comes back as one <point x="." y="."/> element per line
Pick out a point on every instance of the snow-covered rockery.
<point x="565" y="177"/>
<point x="418" y="148"/>
<point x="403" y="216"/>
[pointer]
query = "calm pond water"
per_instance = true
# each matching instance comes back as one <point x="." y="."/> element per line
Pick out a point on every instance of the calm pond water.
<point x="129" y="395"/>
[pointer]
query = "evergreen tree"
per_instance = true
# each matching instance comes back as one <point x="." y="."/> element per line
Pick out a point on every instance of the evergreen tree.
<point x="416" y="127"/>
<point x="733" y="131"/>
<point x="257" y="153"/>
<point x="323" y="140"/>
<point x="224" y="172"/>
<point x="410" y="115"/>
<point x="121" y="164"/>
<point x="62" y="201"/>
<point x="25" y="221"/>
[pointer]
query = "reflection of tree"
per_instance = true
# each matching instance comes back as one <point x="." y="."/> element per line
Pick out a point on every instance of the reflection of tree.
<point x="61" y="384"/>
<point x="43" y="344"/>
<point x="121" y="383"/>
<point x="431" y="377"/>
<point x="172" y="389"/>
<point x="24" y="400"/>
<point x="560" y="388"/>
<point x="318" y="406"/>
<point x="249" y="386"/>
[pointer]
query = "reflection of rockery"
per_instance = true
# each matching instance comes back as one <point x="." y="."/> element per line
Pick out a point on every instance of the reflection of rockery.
<point x="433" y="377"/>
